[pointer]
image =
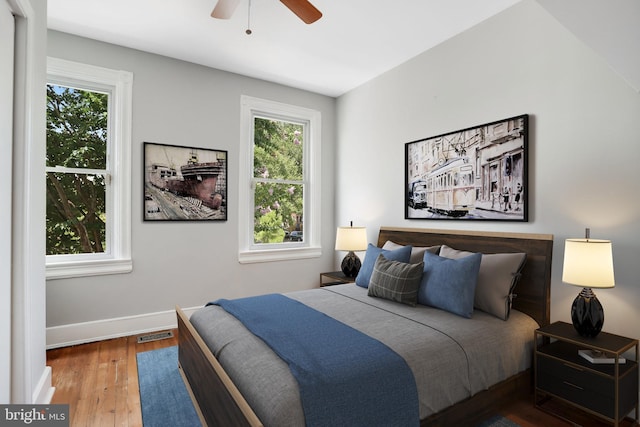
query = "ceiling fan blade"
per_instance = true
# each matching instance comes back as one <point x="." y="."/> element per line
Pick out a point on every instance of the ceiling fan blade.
<point x="305" y="10"/>
<point x="224" y="9"/>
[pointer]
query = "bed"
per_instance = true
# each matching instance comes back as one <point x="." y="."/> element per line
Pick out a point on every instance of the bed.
<point x="219" y="400"/>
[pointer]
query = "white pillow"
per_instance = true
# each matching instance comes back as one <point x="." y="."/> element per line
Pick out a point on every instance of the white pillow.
<point x="417" y="252"/>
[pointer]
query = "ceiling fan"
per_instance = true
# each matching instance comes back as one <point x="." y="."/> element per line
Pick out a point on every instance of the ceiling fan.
<point x="306" y="11"/>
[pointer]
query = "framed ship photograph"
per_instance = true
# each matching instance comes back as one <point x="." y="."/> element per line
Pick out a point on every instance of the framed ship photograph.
<point x="184" y="183"/>
<point x="478" y="173"/>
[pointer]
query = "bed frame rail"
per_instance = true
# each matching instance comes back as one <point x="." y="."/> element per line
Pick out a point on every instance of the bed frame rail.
<point x="217" y="399"/>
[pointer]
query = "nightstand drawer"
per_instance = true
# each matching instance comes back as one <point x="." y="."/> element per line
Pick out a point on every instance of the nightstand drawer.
<point x="587" y="389"/>
<point x="583" y="388"/>
<point x="576" y="376"/>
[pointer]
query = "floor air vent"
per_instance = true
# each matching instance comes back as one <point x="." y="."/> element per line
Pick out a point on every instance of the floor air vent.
<point x="155" y="337"/>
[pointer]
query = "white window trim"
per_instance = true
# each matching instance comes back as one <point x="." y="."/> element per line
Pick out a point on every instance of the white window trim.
<point x="311" y="246"/>
<point x="119" y="83"/>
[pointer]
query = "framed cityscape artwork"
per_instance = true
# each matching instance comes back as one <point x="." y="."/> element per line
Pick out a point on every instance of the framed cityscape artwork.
<point x="184" y="183"/>
<point x="478" y="173"/>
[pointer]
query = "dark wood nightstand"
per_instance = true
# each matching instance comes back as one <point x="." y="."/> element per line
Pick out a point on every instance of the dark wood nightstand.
<point x="335" y="278"/>
<point x="609" y="391"/>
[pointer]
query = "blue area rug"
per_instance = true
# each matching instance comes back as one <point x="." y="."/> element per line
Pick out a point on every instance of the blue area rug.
<point x="165" y="401"/>
<point x="163" y="396"/>
<point x="498" y="421"/>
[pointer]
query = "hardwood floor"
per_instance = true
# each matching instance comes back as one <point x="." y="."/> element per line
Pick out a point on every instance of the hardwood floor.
<point x="526" y="415"/>
<point x="99" y="381"/>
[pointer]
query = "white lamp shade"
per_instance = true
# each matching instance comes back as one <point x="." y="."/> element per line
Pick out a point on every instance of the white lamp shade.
<point x="351" y="239"/>
<point x="588" y="263"/>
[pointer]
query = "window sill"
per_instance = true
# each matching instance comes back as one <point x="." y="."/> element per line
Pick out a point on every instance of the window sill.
<point x="70" y="269"/>
<point x="269" y="255"/>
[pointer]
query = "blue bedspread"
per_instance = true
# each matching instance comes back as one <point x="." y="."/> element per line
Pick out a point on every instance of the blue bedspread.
<point x="346" y="378"/>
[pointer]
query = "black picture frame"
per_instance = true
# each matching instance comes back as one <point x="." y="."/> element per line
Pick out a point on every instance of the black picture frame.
<point x="184" y="183"/>
<point x="474" y="174"/>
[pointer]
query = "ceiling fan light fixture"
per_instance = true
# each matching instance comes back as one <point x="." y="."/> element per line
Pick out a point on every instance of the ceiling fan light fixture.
<point x="304" y="10"/>
<point x="248" y="30"/>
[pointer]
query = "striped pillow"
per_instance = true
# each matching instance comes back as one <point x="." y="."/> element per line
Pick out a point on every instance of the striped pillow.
<point x="395" y="281"/>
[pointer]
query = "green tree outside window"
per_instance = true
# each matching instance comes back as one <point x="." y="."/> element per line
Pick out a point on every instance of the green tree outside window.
<point x="77" y="132"/>
<point x="278" y="176"/>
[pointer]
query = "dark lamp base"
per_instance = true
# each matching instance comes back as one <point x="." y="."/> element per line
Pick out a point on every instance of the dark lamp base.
<point x="351" y="265"/>
<point x="587" y="314"/>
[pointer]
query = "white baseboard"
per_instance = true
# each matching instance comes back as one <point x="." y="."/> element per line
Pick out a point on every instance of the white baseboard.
<point x="43" y="393"/>
<point x="80" y="333"/>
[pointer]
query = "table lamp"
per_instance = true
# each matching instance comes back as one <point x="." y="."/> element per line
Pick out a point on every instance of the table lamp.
<point x="351" y="239"/>
<point x="588" y="263"/>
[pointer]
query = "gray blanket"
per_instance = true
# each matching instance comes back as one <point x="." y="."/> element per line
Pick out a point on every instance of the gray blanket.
<point x="452" y="358"/>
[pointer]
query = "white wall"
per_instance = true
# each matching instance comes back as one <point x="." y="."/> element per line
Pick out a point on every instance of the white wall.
<point x="610" y="28"/>
<point x="584" y="141"/>
<point x="185" y="263"/>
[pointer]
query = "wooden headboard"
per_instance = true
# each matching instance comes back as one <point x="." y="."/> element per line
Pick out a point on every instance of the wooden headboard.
<point x="534" y="288"/>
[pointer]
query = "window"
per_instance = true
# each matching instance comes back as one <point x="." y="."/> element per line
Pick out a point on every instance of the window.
<point x="279" y="181"/>
<point x="88" y="170"/>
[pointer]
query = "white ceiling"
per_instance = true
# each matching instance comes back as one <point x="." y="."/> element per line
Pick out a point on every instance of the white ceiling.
<point x="354" y="41"/>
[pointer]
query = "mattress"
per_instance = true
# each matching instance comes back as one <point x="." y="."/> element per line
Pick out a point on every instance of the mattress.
<point x="452" y="358"/>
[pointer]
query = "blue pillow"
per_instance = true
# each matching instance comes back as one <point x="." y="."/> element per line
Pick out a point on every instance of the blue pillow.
<point x="450" y="284"/>
<point x="364" y="275"/>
